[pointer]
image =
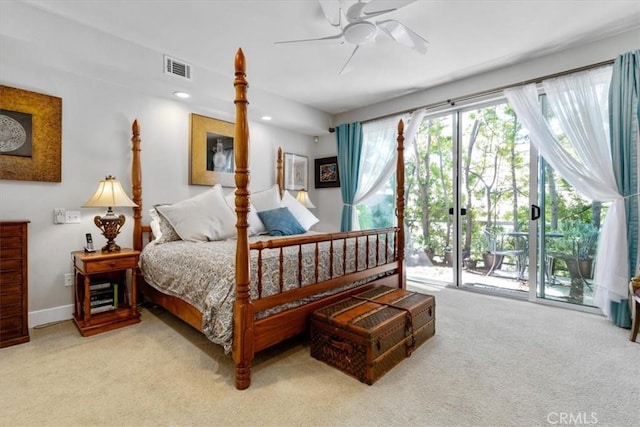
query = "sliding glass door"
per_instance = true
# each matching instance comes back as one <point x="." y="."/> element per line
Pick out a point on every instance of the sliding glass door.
<point x="494" y="180"/>
<point x="482" y="211"/>
<point x="467" y="192"/>
<point x="429" y="192"/>
<point x="568" y="241"/>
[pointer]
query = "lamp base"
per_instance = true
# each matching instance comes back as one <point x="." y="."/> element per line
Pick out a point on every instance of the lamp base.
<point x="110" y="226"/>
<point x="111" y="247"/>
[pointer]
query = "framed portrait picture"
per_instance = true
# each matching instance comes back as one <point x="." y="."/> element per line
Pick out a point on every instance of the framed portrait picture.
<point x="327" y="173"/>
<point x="211" y="152"/>
<point x="296" y="172"/>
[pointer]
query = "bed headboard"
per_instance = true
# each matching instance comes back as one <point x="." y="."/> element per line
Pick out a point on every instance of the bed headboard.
<point x="139" y="230"/>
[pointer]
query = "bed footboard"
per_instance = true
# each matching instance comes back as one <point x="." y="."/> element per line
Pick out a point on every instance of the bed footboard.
<point x="307" y="272"/>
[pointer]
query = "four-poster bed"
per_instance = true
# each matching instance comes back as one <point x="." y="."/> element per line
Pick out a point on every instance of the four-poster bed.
<point x="276" y="282"/>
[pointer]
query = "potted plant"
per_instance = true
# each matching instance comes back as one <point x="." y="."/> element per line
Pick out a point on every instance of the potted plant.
<point x="491" y="259"/>
<point x="585" y="246"/>
<point x="429" y="249"/>
<point x="423" y="250"/>
<point x="582" y="239"/>
<point x="475" y="255"/>
<point x="577" y="249"/>
<point x="448" y="256"/>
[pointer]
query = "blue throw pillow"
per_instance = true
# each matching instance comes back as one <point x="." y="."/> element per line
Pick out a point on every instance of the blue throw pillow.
<point x="280" y="222"/>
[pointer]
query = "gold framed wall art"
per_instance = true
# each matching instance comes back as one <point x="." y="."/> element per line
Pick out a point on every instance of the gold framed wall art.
<point x="30" y="136"/>
<point x="211" y="151"/>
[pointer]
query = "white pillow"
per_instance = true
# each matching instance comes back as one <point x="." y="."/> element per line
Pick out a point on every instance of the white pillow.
<point x="255" y="223"/>
<point x="266" y="200"/>
<point x="155" y="224"/>
<point x="201" y="218"/>
<point x="299" y="211"/>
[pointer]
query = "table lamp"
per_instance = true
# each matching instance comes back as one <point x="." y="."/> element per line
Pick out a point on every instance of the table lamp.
<point x="303" y="198"/>
<point x="108" y="195"/>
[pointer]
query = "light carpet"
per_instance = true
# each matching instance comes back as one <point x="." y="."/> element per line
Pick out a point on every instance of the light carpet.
<point x="493" y="362"/>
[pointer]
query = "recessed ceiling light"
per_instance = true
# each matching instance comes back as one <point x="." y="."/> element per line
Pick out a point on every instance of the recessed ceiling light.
<point x="266" y="118"/>
<point x="182" y="94"/>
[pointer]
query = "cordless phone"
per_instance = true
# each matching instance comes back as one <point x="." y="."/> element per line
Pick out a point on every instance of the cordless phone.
<point x="89" y="247"/>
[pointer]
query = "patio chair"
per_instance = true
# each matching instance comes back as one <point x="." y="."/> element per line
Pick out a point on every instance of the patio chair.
<point x="496" y="248"/>
<point x="554" y="262"/>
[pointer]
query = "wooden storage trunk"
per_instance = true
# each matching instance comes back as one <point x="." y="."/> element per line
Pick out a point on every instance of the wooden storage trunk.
<point x="369" y="333"/>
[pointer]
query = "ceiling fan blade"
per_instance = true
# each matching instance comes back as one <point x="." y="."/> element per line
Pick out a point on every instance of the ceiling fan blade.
<point x="331" y="10"/>
<point x="344" y="67"/>
<point x="379" y="7"/>
<point x="336" y="37"/>
<point x="403" y="35"/>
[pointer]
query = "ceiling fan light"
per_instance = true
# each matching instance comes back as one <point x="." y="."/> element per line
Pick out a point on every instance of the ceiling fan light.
<point x="360" y="32"/>
<point x="355" y="11"/>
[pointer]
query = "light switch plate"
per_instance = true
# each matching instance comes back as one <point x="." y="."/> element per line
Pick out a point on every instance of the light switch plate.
<point x="73" y="217"/>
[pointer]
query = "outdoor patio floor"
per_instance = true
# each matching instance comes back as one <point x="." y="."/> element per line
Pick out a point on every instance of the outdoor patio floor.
<point x="498" y="281"/>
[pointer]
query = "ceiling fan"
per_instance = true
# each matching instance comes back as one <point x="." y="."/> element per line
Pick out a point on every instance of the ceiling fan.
<point x="357" y="28"/>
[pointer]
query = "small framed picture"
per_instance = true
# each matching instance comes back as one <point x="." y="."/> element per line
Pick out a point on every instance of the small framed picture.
<point x="296" y="172"/>
<point x="327" y="173"/>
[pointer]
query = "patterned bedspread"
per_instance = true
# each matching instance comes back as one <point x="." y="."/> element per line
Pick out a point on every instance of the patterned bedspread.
<point x="203" y="274"/>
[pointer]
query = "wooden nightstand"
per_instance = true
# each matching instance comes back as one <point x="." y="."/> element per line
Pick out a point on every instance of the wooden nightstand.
<point x="95" y="274"/>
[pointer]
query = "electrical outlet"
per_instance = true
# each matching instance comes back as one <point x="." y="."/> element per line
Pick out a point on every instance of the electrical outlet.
<point x="73" y="217"/>
<point x="68" y="279"/>
<point x="59" y="216"/>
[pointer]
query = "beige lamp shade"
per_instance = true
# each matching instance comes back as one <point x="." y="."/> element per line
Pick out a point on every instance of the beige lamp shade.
<point x="303" y="198"/>
<point x="109" y="194"/>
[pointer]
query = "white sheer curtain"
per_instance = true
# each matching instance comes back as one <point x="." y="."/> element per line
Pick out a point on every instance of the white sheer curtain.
<point x="579" y="102"/>
<point x="379" y="154"/>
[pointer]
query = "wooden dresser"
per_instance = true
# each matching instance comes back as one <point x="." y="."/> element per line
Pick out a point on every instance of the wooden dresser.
<point x="14" y="328"/>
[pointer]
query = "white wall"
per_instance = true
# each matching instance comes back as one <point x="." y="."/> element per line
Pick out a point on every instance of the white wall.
<point x="96" y="130"/>
<point x="328" y="201"/>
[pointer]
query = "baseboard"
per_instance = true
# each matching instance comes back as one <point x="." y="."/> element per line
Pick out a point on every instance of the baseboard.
<point x="50" y="315"/>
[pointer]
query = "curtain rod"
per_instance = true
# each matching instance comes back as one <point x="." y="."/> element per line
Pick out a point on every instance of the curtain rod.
<point x="497" y="90"/>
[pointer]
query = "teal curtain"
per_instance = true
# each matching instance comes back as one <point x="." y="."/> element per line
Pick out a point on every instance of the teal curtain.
<point x="624" y="112"/>
<point x="349" y="140"/>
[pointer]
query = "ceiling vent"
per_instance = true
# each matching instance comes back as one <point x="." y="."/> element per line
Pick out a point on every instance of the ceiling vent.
<point x="176" y="67"/>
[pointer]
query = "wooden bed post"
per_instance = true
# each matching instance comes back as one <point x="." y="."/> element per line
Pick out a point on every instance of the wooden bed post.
<point x="279" y="174"/>
<point x="243" y="314"/>
<point x="400" y="204"/>
<point x="136" y="183"/>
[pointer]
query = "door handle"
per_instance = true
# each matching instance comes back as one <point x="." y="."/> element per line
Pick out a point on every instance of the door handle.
<point x="463" y="211"/>
<point x="535" y="212"/>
